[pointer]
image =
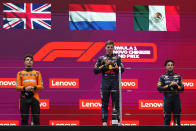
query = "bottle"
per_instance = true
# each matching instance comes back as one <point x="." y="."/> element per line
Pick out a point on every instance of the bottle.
<point x="114" y="117"/>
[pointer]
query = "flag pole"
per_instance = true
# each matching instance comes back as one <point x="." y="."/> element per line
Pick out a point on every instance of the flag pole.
<point x="120" y="96"/>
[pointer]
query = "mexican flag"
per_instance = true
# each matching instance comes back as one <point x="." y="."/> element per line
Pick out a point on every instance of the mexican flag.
<point x="156" y="18"/>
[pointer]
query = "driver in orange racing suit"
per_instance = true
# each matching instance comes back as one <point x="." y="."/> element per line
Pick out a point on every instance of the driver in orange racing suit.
<point x="29" y="82"/>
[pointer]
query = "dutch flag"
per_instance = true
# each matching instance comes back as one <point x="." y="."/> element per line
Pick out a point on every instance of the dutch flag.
<point x="92" y="17"/>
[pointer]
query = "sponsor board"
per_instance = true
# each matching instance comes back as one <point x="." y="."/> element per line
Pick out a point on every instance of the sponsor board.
<point x="150" y="104"/>
<point x="7" y="82"/>
<point x="90" y="104"/>
<point x="63" y="83"/>
<point x="64" y="122"/>
<point x="129" y="123"/>
<point x="189" y="83"/>
<point x="9" y="122"/>
<point x="185" y="123"/>
<point x="129" y="83"/>
<point x="44" y="104"/>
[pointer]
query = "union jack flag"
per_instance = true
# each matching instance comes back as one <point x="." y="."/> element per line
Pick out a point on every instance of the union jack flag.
<point x="26" y="16"/>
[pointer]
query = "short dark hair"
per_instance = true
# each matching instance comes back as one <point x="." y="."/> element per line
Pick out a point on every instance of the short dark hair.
<point x="28" y="55"/>
<point x="167" y="61"/>
<point x="109" y="42"/>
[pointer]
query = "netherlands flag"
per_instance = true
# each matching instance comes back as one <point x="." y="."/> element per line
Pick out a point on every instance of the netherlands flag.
<point x="92" y="17"/>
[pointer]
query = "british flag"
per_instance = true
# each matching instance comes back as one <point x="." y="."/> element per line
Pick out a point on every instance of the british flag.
<point x="27" y="16"/>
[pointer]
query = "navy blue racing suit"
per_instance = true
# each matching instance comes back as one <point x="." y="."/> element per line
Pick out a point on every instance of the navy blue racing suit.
<point x="109" y="83"/>
<point x="171" y="99"/>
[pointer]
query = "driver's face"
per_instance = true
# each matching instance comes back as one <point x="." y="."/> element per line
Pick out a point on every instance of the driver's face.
<point x="28" y="62"/>
<point x="169" y="67"/>
<point x="109" y="49"/>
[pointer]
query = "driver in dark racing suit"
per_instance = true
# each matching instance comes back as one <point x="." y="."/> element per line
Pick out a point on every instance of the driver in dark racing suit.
<point x="171" y="84"/>
<point x="108" y="65"/>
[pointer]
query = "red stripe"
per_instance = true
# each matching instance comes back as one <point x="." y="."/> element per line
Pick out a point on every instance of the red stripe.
<point x="44" y="23"/>
<point x="46" y="49"/>
<point x="28" y="17"/>
<point x="62" y="53"/>
<point x="12" y="25"/>
<point x="24" y="15"/>
<point x="172" y="18"/>
<point x="41" y="7"/>
<point x="92" y="7"/>
<point x="10" y="6"/>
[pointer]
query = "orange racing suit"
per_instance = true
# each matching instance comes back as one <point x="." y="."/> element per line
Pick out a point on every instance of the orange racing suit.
<point x="29" y="77"/>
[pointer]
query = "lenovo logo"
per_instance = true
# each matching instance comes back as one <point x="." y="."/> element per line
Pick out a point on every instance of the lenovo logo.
<point x="89" y="104"/>
<point x="189" y="83"/>
<point x="7" y="82"/>
<point x="63" y="83"/>
<point x="129" y="83"/>
<point x="9" y="122"/>
<point x="150" y="104"/>
<point x="129" y="123"/>
<point x="44" y="104"/>
<point x="64" y="122"/>
<point x="185" y="123"/>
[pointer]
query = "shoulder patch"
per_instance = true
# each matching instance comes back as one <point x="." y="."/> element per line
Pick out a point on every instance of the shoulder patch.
<point x="162" y="76"/>
<point x="115" y="57"/>
<point x="20" y="73"/>
<point x="175" y="76"/>
<point x="103" y="57"/>
<point x="159" y="84"/>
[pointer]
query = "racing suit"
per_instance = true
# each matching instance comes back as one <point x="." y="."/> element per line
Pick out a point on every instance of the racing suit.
<point x="109" y="83"/>
<point x="29" y="77"/>
<point x="171" y="99"/>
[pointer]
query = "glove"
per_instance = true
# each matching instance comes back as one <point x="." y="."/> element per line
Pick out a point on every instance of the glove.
<point x="27" y="94"/>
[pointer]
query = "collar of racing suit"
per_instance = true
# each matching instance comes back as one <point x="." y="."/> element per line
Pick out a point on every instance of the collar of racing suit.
<point x="170" y="73"/>
<point x="109" y="55"/>
<point x="28" y="69"/>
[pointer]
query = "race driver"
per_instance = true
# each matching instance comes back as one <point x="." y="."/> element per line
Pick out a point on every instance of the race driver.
<point x="29" y="82"/>
<point x="171" y="84"/>
<point x="108" y="65"/>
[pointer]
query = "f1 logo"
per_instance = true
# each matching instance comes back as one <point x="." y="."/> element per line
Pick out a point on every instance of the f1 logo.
<point x="86" y="51"/>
